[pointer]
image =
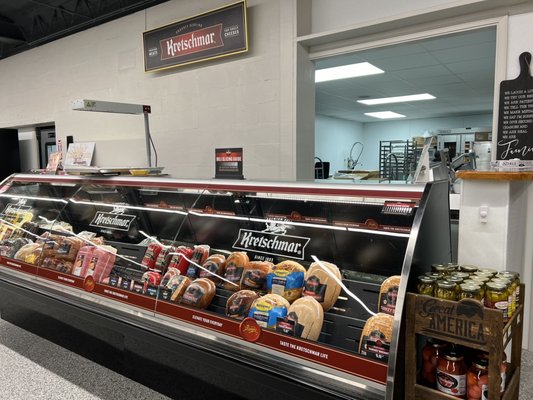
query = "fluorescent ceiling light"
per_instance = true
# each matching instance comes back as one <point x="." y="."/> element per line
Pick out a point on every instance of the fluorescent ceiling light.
<point x="397" y="99"/>
<point x="384" y="114"/>
<point x="346" y="71"/>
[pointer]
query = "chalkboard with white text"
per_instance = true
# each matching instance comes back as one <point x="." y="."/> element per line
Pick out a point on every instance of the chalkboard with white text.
<point x="515" y="117"/>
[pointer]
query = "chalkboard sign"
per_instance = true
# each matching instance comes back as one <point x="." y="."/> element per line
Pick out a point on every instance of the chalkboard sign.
<point x="515" y="120"/>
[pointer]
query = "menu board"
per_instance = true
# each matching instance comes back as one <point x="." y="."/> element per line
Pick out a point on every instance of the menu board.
<point x="515" y="121"/>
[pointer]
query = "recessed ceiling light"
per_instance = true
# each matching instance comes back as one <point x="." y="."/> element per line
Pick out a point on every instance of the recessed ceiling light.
<point x="384" y="114"/>
<point x="397" y="99"/>
<point x="346" y="71"/>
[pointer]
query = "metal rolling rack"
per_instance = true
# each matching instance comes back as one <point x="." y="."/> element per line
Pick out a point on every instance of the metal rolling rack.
<point x="397" y="158"/>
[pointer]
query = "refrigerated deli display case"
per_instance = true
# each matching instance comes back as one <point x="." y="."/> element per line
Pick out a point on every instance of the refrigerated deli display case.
<point x="299" y="287"/>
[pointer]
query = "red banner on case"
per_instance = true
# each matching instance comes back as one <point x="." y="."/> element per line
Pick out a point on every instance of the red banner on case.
<point x="192" y="42"/>
<point x="19" y="266"/>
<point x="124" y="296"/>
<point x="66" y="279"/>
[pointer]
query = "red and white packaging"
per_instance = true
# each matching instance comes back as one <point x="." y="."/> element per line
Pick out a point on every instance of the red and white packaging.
<point x="168" y="275"/>
<point x="180" y="263"/>
<point x="150" y="278"/>
<point x="84" y="253"/>
<point x="163" y="259"/>
<point x="100" y="264"/>
<point x="150" y="257"/>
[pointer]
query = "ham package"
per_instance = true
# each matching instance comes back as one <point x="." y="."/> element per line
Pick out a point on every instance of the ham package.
<point x="254" y="277"/>
<point x="287" y="280"/>
<point x="321" y="286"/>
<point x="177" y="285"/>
<point x="100" y="263"/>
<point x="179" y="262"/>
<point x="304" y="319"/>
<point x="238" y="305"/>
<point x="213" y="267"/>
<point x="388" y="293"/>
<point x="235" y="265"/>
<point x="376" y="337"/>
<point x="199" y="293"/>
<point x="199" y="255"/>
<point x="267" y="309"/>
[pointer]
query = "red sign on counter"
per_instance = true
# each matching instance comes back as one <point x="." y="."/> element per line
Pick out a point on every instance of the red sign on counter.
<point x="19" y="266"/>
<point x="66" y="279"/>
<point x="124" y="296"/>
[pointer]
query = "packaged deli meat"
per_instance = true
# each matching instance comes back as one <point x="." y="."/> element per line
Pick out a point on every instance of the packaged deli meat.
<point x="30" y="253"/>
<point x="51" y="244"/>
<point x="177" y="285"/>
<point x="68" y="249"/>
<point x="199" y="255"/>
<point x="239" y="303"/>
<point x="321" y="286"/>
<point x="267" y="309"/>
<point x="388" y="293"/>
<point x="199" y="293"/>
<point x="85" y="252"/>
<point x="287" y="280"/>
<point x="213" y="267"/>
<point x="235" y="265"/>
<point x="254" y="277"/>
<point x="168" y="275"/>
<point x="151" y="254"/>
<point x="163" y="259"/>
<point x="178" y="261"/>
<point x="100" y="263"/>
<point x="376" y="337"/>
<point x="150" y="279"/>
<point x="304" y="319"/>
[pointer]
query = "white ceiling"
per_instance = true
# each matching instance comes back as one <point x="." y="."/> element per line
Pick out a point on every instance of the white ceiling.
<point x="457" y="69"/>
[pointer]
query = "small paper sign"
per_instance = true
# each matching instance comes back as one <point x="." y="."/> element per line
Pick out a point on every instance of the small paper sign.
<point x="228" y="163"/>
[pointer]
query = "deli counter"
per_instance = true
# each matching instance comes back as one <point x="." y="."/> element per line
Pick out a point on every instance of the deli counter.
<point x="298" y="288"/>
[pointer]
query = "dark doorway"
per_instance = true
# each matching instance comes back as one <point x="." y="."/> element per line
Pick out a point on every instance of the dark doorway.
<point x="9" y="152"/>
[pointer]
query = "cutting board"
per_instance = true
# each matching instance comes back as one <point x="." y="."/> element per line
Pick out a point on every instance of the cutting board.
<point x="515" y="117"/>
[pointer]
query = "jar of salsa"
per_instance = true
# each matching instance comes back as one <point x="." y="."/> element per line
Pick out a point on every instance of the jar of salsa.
<point x="445" y="290"/>
<point x="477" y="380"/>
<point x="426" y="285"/>
<point x="451" y="373"/>
<point x="503" y="368"/>
<point x="430" y="356"/>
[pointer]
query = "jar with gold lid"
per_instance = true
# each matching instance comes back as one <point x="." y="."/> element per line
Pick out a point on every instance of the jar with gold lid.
<point x="426" y="285"/>
<point x="445" y="290"/>
<point x="441" y="268"/>
<point x="481" y="287"/>
<point x="511" y="299"/>
<point x="515" y="286"/>
<point x="496" y="297"/>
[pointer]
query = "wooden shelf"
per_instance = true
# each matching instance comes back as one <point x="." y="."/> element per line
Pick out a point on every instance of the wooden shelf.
<point x="466" y="323"/>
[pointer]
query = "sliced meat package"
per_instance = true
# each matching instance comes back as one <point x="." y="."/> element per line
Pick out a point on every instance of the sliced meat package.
<point x="239" y="303"/>
<point x="235" y="265"/>
<point x="179" y="262"/>
<point x="215" y="266"/>
<point x="304" y="319"/>
<point x="163" y="259"/>
<point x="255" y="276"/>
<point x="178" y="284"/>
<point x="267" y="309"/>
<point x="287" y="280"/>
<point x="321" y="286"/>
<point x="199" y="256"/>
<point x="199" y="293"/>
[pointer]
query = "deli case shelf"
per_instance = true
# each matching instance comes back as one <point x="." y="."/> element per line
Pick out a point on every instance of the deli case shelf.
<point x="134" y="250"/>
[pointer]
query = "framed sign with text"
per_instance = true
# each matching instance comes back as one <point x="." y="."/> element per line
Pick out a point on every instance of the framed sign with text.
<point x="228" y="163"/>
<point x="217" y="33"/>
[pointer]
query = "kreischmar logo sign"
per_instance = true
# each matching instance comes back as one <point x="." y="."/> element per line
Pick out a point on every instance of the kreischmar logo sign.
<point x="272" y="244"/>
<point x="114" y="220"/>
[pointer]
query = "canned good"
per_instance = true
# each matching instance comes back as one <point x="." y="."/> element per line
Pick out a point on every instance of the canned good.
<point x="436" y="275"/>
<point x="457" y="280"/>
<point x="477" y="379"/>
<point x="496" y="297"/>
<point x="470" y="269"/>
<point x="459" y="274"/>
<point x="481" y="287"/>
<point x="445" y="290"/>
<point x="511" y="300"/>
<point x="426" y="285"/>
<point x="488" y="271"/>
<point x="442" y="268"/>
<point x="515" y="286"/>
<point x="470" y="291"/>
<point x="452" y="267"/>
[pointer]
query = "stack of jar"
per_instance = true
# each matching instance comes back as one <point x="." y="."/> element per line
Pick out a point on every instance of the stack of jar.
<point x="459" y="372"/>
<point x="495" y="289"/>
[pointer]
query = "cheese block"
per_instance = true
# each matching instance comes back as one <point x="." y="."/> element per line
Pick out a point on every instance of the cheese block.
<point x="321" y="286"/>
<point x="388" y="293"/>
<point x="254" y="277"/>
<point x="236" y="263"/>
<point x="215" y="265"/>
<point x="177" y="284"/>
<point x="199" y="293"/>
<point x="287" y="280"/>
<point x="267" y="309"/>
<point x="239" y="303"/>
<point x="304" y="319"/>
<point x="376" y="337"/>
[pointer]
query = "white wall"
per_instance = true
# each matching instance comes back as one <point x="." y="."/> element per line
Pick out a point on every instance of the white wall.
<point x="242" y="101"/>
<point x="332" y="15"/>
<point x="334" y="138"/>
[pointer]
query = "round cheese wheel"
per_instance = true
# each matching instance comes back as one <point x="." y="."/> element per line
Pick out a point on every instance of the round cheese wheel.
<point x="321" y="286"/>
<point x="239" y="303"/>
<point x="254" y="277"/>
<point x="287" y="280"/>
<point x="267" y="309"/>
<point x="304" y="319"/>
<point x="199" y="293"/>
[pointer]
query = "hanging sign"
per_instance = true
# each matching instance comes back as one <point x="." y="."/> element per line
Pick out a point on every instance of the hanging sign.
<point x="515" y="120"/>
<point x="217" y="33"/>
<point x="228" y="163"/>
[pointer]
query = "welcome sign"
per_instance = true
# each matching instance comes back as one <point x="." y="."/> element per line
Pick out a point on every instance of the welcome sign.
<point x="218" y="33"/>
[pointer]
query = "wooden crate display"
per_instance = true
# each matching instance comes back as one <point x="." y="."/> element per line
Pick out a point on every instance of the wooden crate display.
<point x="466" y="323"/>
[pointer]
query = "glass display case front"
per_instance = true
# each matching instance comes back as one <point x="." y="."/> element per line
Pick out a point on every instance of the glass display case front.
<point x="304" y="280"/>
